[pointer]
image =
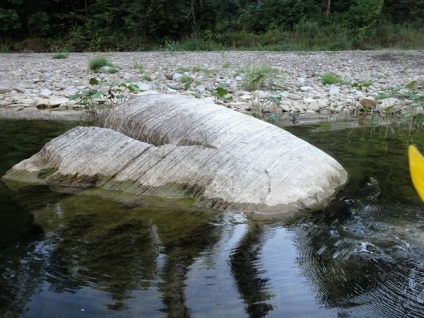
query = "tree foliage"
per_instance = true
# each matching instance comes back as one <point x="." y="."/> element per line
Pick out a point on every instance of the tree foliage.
<point x="109" y="24"/>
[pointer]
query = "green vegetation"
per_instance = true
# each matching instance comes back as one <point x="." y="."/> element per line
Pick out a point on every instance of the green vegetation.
<point x="100" y="61"/>
<point x="139" y="67"/>
<point x="185" y="79"/>
<point x="147" y="77"/>
<point x="60" y="55"/>
<point x="259" y="76"/>
<point x="103" y="96"/>
<point x="330" y="78"/>
<point x="182" y="69"/>
<point x="394" y="110"/>
<point x="226" y="65"/>
<point x="179" y="25"/>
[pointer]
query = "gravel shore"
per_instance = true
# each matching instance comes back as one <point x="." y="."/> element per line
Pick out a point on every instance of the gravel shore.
<point x="36" y="85"/>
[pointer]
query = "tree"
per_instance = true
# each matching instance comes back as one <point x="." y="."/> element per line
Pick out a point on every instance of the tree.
<point x="9" y="20"/>
<point x="364" y="13"/>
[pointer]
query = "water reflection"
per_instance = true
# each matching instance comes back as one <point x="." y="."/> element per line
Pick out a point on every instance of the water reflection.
<point x="123" y="250"/>
<point x="364" y="254"/>
<point x="246" y="272"/>
<point x="106" y="254"/>
<point x="363" y="266"/>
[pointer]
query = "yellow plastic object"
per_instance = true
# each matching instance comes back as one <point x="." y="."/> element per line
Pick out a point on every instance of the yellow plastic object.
<point x="416" y="168"/>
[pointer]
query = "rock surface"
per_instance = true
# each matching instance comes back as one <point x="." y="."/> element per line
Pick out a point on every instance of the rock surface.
<point x="173" y="145"/>
<point x="28" y="80"/>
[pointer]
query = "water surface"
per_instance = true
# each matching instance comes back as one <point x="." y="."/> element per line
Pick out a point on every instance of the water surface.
<point x="100" y="254"/>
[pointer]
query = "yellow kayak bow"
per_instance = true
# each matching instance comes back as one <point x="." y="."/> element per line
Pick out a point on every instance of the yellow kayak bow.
<point x="416" y="169"/>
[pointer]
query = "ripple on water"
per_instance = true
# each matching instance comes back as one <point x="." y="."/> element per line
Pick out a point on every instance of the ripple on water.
<point x="365" y="256"/>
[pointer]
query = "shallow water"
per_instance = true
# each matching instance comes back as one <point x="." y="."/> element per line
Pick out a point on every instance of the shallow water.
<point x="104" y="254"/>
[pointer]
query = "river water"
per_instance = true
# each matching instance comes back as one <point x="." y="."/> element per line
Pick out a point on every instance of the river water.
<point x="100" y="254"/>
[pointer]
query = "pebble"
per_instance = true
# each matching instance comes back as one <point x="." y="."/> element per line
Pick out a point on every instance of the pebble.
<point x="37" y="80"/>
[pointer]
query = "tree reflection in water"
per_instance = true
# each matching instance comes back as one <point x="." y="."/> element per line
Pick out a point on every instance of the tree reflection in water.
<point x="97" y="243"/>
<point x="135" y="257"/>
<point x="245" y="267"/>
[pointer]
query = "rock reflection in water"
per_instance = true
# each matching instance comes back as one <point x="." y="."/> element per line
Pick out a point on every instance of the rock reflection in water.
<point x="94" y="243"/>
<point x="101" y="256"/>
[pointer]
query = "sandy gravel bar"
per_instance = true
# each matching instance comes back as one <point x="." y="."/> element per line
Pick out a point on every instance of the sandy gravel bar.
<point x="36" y="84"/>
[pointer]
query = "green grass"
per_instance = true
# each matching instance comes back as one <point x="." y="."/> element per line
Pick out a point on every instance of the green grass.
<point x="330" y="78"/>
<point x="139" y="67"/>
<point x="226" y="65"/>
<point x="147" y="77"/>
<point x="257" y="76"/>
<point x="60" y="55"/>
<point x="182" y="69"/>
<point x="98" y="62"/>
<point x="185" y="79"/>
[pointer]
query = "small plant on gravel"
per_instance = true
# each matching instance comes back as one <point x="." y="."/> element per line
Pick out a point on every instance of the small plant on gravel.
<point x="222" y="95"/>
<point x="103" y="96"/>
<point x="206" y="71"/>
<point x="60" y="55"/>
<point x="330" y="78"/>
<point x="182" y="69"/>
<point x="393" y="91"/>
<point x="411" y="114"/>
<point x="139" y="67"/>
<point x="415" y="93"/>
<point x="147" y="77"/>
<point x="258" y="76"/>
<point x="186" y="80"/>
<point x="196" y="69"/>
<point x="360" y="86"/>
<point x="226" y="65"/>
<point x="100" y="61"/>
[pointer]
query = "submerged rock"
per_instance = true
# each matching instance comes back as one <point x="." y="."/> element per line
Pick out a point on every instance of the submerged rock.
<point x="177" y="146"/>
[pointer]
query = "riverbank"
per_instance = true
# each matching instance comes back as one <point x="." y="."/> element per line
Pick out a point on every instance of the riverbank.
<point x="292" y="85"/>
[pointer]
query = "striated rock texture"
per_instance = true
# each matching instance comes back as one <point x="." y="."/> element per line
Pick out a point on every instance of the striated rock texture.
<point x="177" y="146"/>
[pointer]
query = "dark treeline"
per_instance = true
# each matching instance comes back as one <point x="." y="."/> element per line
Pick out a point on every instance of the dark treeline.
<point x="93" y="25"/>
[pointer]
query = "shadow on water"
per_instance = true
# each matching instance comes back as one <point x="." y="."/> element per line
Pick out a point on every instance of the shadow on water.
<point x="102" y="253"/>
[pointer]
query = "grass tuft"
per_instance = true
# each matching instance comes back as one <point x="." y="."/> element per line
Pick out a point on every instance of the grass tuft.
<point x="330" y="78"/>
<point x="60" y="55"/>
<point x="257" y="76"/>
<point x="98" y="62"/>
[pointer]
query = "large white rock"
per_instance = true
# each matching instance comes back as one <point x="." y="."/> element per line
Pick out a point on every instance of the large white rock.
<point x="173" y="146"/>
